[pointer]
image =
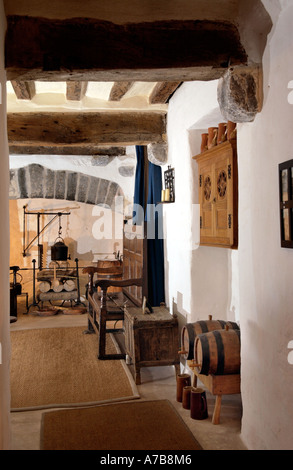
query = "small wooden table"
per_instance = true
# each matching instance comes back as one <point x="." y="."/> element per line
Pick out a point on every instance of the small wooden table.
<point x="218" y="385"/>
<point x="151" y="339"/>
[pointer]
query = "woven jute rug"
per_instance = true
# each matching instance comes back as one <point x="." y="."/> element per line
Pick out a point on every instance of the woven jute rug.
<point x="140" y="425"/>
<point x="58" y="367"/>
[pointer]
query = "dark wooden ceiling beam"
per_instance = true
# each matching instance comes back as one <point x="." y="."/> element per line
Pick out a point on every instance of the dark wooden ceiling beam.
<point x="18" y="148"/>
<point x="119" y="89"/>
<point x="46" y="48"/>
<point x="75" y="91"/>
<point x="162" y="92"/>
<point x="24" y="90"/>
<point x="87" y="128"/>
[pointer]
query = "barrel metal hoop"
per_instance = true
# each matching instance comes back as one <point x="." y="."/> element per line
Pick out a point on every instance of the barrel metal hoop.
<point x="190" y="330"/>
<point x="220" y="350"/>
<point x="191" y="337"/>
<point x="233" y="325"/>
<point x="205" y="367"/>
<point x="222" y="323"/>
<point x="204" y="327"/>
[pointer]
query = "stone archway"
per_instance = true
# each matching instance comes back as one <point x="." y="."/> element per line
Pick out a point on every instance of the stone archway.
<point x="37" y="181"/>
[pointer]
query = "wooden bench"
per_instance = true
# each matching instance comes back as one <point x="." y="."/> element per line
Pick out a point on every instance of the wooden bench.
<point x="104" y="307"/>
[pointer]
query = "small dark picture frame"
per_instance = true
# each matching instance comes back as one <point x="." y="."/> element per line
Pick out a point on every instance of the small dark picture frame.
<point x="286" y="203"/>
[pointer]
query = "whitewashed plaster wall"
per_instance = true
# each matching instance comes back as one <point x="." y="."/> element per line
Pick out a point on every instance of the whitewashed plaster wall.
<point x="198" y="279"/>
<point x="4" y="255"/>
<point x="254" y="281"/>
<point x="265" y="284"/>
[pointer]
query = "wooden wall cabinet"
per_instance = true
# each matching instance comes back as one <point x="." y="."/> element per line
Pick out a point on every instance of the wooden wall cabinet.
<point x="218" y="195"/>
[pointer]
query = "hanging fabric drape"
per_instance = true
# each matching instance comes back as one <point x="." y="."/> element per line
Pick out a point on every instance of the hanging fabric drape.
<point x="154" y="224"/>
<point x="155" y="243"/>
<point x="139" y="189"/>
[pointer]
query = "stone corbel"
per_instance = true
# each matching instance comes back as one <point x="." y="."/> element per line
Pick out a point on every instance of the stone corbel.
<point x="157" y="153"/>
<point x="240" y="93"/>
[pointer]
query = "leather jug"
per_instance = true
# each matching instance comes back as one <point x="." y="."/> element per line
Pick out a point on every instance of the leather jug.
<point x="183" y="380"/>
<point x="198" y="404"/>
<point x="186" y="397"/>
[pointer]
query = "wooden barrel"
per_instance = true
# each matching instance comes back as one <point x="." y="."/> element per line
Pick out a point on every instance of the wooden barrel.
<point x="44" y="286"/>
<point x="191" y="330"/>
<point x="113" y="276"/>
<point x="218" y="352"/>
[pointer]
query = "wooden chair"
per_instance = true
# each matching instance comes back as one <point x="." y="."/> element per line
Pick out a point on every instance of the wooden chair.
<point x="113" y="273"/>
<point x="106" y="307"/>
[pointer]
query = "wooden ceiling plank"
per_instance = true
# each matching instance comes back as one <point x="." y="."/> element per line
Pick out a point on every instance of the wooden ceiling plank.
<point x="119" y="89"/>
<point x="98" y="128"/>
<point x="75" y="91"/>
<point x="162" y="92"/>
<point x="24" y="90"/>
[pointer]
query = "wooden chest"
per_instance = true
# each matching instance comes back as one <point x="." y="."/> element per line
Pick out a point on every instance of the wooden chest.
<point x="151" y="339"/>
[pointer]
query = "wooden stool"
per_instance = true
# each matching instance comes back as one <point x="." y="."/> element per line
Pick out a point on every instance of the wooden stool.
<point x="217" y="385"/>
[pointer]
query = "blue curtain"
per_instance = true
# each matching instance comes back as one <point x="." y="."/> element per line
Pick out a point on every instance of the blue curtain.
<point x="139" y="192"/>
<point x="155" y="242"/>
<point x="154" y="221"/>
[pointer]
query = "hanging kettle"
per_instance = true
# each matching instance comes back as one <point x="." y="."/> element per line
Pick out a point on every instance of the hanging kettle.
<point x="59" y="251"/>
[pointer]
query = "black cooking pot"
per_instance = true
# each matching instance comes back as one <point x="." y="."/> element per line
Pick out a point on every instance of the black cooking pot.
<point x="59" y="251"/>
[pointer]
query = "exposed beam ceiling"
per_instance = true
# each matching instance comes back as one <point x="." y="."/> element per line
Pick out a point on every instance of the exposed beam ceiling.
<point x="119" y="89"/>
<point x="20" y="148"/>
<point x="24" y="90"/>
<point x="163" y="91"/>
<point x="158" y="93"/>
<point x="141" y="55"/>
<point x="117" y="128"/>
<point x="75" y="91"/>
<point x="53" y="49"/>
<point x="37" y="124"/>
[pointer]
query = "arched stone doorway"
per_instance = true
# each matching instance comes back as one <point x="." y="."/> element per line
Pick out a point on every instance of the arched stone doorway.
<point x="37" y="181"/>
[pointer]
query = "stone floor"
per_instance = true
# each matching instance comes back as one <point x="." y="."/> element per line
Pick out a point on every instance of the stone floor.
<point x="157" y="383"/>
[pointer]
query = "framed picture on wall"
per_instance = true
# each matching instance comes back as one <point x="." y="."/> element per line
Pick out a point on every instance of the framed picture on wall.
<point x="286" y="203"/>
